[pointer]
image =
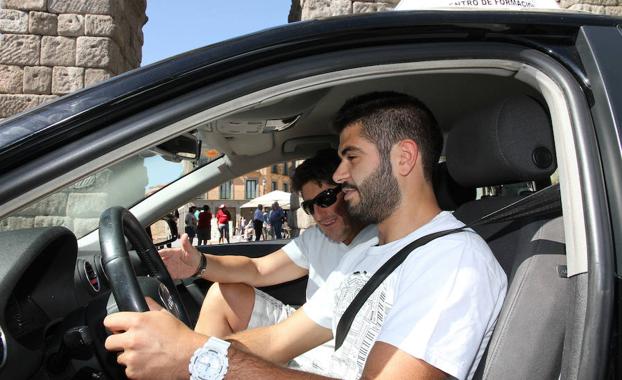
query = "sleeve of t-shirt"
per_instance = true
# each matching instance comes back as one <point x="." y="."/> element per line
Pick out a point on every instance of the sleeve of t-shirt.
<point x="443" y="305"/>
<point x="298" y="249"/>
<point x="319" y="308"/>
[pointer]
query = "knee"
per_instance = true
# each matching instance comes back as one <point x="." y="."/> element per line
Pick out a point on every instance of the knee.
<point x="230" y="293"/>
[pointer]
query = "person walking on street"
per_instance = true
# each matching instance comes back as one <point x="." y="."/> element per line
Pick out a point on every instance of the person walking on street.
<point x="224" y="217"/>
<point x="277" y="217"/>
<point x="191" y="224"/>
<point x="258" y="222"/>
<point x="266" y="224"/>
<point x="204" y="226"/>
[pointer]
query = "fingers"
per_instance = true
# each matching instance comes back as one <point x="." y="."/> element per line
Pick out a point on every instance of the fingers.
<point x="122" y="321"/>
<point x="116" y="342"/>
<point x="167" y="253"/>
<point x="153" y="305"/>
<point x="185" y="243"/>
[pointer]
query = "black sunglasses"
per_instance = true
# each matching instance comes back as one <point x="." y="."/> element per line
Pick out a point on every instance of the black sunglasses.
<point x="324" y="199"/>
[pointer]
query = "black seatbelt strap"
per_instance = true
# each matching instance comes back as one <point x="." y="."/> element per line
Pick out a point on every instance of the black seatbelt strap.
<point x="541" y="203"/>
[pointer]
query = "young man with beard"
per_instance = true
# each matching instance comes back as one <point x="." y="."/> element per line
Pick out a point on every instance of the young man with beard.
<point x="233" y="303"/>
<point x="431" y="318"/>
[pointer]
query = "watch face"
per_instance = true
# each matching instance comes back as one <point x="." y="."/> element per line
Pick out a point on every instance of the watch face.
<point x="209" y="365"/>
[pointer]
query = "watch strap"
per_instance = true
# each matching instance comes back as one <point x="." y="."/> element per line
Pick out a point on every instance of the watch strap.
<point x="215" y="345"/>
<point x="202" y="266"/>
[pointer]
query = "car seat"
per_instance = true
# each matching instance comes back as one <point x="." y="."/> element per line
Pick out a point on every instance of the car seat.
<point x="508" y="142"/>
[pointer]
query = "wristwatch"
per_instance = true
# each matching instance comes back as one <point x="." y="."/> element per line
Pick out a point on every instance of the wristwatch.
<point x="210" y="361"/>
<point x="202" y="266"/>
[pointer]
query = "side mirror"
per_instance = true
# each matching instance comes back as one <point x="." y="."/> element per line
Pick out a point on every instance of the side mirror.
<point x="164" y="231"/>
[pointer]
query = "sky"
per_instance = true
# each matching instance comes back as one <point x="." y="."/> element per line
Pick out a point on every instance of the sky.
<point x="178" y="26"/>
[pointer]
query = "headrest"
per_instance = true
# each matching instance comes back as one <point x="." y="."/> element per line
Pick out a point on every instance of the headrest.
<point x="449" y="193"/>
<point x="509" y="141"/>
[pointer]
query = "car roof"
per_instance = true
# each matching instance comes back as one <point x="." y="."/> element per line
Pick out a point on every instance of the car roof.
<point x="27" y="135"/>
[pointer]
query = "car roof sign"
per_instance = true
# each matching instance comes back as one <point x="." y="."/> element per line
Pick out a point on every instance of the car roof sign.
<point x="477" y="4"/>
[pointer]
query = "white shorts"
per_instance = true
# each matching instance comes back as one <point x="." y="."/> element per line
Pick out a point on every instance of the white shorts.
<point x="270" y="311"/>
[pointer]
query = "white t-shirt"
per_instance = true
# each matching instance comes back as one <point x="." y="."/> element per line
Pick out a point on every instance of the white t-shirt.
<point x="440" y="305"/>
<point x="313" y="250"/>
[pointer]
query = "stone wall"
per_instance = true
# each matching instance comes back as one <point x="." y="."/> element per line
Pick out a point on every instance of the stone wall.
<point x="605" y="7"/>
<point x="79" y="205"/>
<point x="313" y="9"/>
<point x="50" y="48"/>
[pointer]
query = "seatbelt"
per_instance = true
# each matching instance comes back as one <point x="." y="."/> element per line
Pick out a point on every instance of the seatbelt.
<point x="541" y="203"/>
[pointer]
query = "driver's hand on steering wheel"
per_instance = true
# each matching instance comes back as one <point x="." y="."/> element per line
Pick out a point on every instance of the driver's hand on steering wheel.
<point x="182" y="262"/>
<point x="151" y="344"/>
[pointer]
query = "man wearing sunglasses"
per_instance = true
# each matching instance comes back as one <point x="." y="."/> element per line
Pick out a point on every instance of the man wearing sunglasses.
<point x="233" y="303"/>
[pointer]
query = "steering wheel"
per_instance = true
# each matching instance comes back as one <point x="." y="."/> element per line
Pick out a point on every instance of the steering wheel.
<point x="115" y="224"/>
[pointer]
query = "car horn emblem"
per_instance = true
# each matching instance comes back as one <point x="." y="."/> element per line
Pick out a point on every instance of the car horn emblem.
<point x="167" y="300"/>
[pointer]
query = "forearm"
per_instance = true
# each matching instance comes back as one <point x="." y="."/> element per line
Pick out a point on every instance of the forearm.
<point x="231" y="269"/>
<point x="244" y="365"/>
<point x="271" y="269"/>
<point x="284" y="341"/>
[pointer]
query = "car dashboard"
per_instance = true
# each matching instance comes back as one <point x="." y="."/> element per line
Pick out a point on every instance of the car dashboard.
<point x="52" y="306"/>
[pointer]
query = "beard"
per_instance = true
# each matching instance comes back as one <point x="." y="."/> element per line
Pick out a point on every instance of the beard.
<point x="379" y="195"/>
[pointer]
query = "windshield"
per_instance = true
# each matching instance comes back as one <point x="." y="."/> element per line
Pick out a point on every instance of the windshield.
<point x="79" y="205"/>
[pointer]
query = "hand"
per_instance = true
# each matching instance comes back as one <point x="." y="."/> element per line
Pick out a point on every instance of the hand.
<point x="181" y="262"/>
<point x="153" y="344"/>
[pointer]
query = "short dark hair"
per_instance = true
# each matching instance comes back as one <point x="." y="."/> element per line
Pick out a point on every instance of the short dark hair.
<point x="389" y="117"/>
<point x="319" y="169"/>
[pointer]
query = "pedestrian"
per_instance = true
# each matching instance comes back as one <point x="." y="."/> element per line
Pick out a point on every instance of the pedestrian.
<point x="204" y="226"/>
<point x="277" y="217"/>
<point x="266" y="223"/>
<point x="191" y="223"/>
<point x="258" y="222"/>
<point x="224" y="217"/>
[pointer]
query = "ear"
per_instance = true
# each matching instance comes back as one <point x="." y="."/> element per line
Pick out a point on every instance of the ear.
<point x="406" y="156"/>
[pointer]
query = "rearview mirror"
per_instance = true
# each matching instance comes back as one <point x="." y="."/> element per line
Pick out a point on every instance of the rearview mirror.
<point x="163" y="232"/>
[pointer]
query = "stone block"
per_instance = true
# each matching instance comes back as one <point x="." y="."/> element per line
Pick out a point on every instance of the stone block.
<point x="100" y="26"/>
<point x="92" y="76"/>
<point x="325" y="8"/>
<point x="67" y="79"/>
<point x="12" y="21"/>
<point x="364" y="7"/>
<point x="16" y="49"/>
<point x="70" y="25"/>
<point x="86" y="205"/>
<point x="58" y="51"/>
<point x="83" y="226"/>
<point x="50" y="221"/>
<point x="26" y="5"/>
<point x="12" y="104"/>
<point x="13" y="223"/>
<point x="98" y="52"/>
<point x="100" y="7"/>
<point x="52" y="205"/>
<point x="37" y="80"/>
<point x="42" y="23"/>
<point x="11" y="79"/>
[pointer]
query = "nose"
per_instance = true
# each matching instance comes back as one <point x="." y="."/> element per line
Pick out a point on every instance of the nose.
<point x="341" y="173"/>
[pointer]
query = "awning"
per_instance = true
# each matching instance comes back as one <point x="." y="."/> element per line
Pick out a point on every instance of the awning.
<point x="267" y="200"/>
